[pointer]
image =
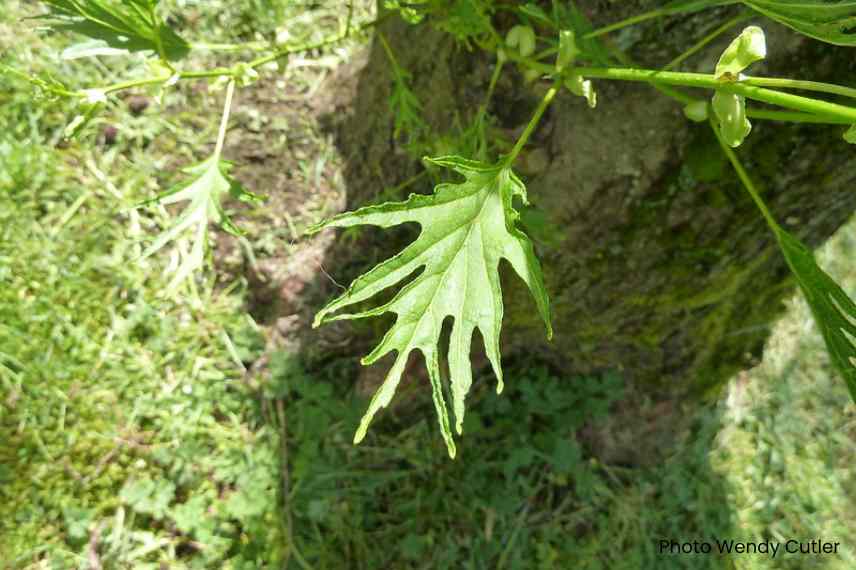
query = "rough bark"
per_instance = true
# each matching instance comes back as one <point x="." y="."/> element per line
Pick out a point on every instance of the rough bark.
<point x="660" y="264"/>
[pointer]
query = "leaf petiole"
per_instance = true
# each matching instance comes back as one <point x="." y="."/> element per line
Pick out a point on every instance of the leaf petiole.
<point x="744" y="176"/>
<point x="224" y="120"/>
<point x="533" y="123"/>
<point x="707" y="39"/>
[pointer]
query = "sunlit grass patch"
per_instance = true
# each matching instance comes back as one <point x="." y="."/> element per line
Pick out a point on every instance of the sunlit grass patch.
<point x="789" y="439"/>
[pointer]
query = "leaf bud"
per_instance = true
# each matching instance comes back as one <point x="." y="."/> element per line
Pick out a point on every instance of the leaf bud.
<point x="523" y="38"/>
<point x="696" y="111"/>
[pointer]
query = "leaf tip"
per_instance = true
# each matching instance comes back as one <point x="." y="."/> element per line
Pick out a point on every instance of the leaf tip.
<point x="452" y="450"/>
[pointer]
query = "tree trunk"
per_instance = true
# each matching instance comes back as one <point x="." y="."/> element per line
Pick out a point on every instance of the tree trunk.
<point x="656" y="260"/>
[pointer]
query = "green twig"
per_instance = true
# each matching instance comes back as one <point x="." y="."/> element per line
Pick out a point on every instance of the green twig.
<point x="783" y="83"/>
<point x="317" y="45"/>
<point x="38" y="82"/>
<point x="639" y="18"/>
<point x="482" y="112"/>
<point x="249" y="46"/>
<point x="230" y="71"/>
<point x="707" y="39"/>
<point x="708" y="81"/>
<point x="794" y="117"/>
<point x="533" y="122"/>
<point x="833" y="112"/>
<point x="744" y="176"/>
<point x="224" y="121"/>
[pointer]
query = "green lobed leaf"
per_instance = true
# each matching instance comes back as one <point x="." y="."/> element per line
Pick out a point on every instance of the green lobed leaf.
<point x="826" y="20"/>
<point x="204" y="190"/>
<point x="130" y="25"/>
<point x="834" y="312"/>
<point x="467" y="228"/>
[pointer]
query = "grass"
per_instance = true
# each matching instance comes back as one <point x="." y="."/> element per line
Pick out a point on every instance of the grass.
<point x="132" y="435"/>
<point x="790" y="434"/>
<point x="115" y="401"/>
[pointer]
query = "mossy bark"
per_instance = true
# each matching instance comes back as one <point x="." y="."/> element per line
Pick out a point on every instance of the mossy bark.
<point x="657" y="262"/>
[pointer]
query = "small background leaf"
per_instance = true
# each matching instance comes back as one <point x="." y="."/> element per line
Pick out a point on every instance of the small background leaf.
<point x="209" y="181"/>
<point x="129" y="25"/>
<point x="833" y="310"/>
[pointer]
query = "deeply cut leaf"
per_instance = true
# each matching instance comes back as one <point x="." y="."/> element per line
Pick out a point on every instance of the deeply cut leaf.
<point x="832" y="21"/>
<point x="467" y="228"/>
<point x="834" y="312"/>
<point x="129" y="25"/>
<point x="209" y="181"/>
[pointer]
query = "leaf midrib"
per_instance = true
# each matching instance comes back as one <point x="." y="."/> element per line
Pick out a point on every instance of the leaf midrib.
<point x="474" y="220"/>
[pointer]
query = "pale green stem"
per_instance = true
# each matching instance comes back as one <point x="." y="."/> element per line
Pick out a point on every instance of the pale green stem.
<point x="708" y="81"/>
<point x="497" y="71"/>
<point x="36" y="81"/>
<point x="224" y="71"/>
<point x="249" y="46"/>
<point x="533" y="122"/>
<point x="479" y="121"/>
<point x="639" y="18"/>
<point x="707" y="39"/>
<point x="317" y="45"/>
<point x="748" y="87"/>
<point x="784" y="83"/>
<point x="219" y="72"/>
<point x="754" y="113"/>
<point x="794" y="117"/>
<point x="744" y="177"/>
<point x="389" y="53"/>
<point x="224" y="121"/>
